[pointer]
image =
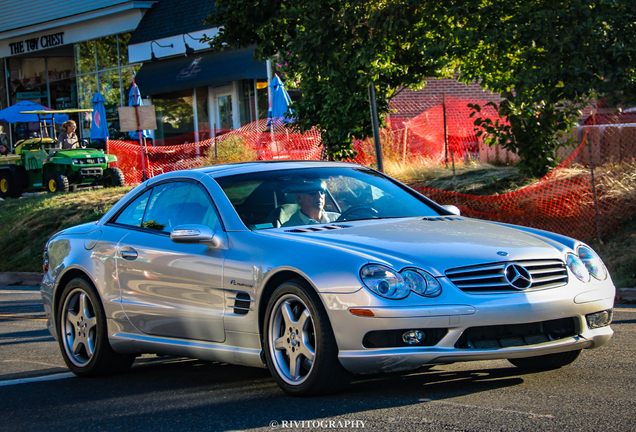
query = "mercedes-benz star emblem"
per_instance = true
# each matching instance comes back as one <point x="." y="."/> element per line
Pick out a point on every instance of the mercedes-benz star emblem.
<point x="518" y="277"/>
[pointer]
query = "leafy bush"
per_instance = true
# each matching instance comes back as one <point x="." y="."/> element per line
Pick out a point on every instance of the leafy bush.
<point x="230" y="148"/>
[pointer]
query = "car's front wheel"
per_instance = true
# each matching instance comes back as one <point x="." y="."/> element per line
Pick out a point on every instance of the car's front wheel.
<point x="546" y="362"/>
<point x="300" y="347"/>
<point x="82" y="333"/>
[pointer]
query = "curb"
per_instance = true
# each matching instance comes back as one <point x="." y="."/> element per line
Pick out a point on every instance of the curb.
<point x="21" y="278"/>
<point x="626" y="295"/>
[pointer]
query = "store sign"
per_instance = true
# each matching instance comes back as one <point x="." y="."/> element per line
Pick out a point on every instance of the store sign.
<point x="32" y="95"/>
<point x="34" y="44"/>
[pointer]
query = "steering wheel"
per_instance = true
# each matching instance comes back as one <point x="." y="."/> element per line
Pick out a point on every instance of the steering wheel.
<point x="358" y="212"/>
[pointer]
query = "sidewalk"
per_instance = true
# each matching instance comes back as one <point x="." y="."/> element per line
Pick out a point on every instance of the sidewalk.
<point x="623" y="295"/>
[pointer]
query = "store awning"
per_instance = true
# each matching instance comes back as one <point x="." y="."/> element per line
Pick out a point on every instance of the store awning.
<point x="199" y="70"/>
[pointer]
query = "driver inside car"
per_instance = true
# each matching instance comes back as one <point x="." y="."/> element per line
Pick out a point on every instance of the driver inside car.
<point x="310" y="195"/>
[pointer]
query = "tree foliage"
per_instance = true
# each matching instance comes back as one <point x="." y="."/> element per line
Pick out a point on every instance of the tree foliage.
<point x="546" y="59"/>
<point x="335" y="49"/>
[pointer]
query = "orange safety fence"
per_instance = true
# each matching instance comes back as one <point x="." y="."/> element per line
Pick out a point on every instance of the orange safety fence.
<point x="586" y="196"/>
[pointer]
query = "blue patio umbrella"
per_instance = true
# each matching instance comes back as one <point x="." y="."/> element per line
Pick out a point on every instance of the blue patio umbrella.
<point x="280" y="104"/>
<point x="134" y="99"/>
<point x="99" y="127"/>
<point x="12" y="114"/>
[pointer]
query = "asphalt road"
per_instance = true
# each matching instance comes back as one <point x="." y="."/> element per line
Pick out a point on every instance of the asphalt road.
<point x="596" y="393"/>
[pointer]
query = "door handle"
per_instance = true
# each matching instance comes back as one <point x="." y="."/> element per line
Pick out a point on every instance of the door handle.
<point x="128" y="254"/>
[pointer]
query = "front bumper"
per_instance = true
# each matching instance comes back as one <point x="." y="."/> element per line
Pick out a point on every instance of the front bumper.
<point x="452" y="320"/>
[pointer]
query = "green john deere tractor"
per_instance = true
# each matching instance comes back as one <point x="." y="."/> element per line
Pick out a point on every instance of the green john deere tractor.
<point x="38" y="164"/>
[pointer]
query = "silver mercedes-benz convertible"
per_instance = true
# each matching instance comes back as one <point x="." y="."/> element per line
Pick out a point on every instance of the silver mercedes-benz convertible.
<point x="317" y="271"/>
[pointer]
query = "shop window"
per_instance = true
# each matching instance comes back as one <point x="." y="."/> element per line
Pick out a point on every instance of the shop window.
<point x="86" y="86"/>
<point x="85" y="60"/>
<point x="262" y="97"/>
<point x="123" y="48"/>
<point x="28" y="80"/>
<point x="246" y="98"/>
<point x="126" y="79"/>
<point x="107" y="56"/>
<point x="203" y="113"/>
<point x="175" y="117"/>
<point x="110" y="88"/>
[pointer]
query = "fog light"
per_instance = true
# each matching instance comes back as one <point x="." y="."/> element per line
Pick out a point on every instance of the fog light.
<point x="599" y="319"/>
<point x="413" y="337"/>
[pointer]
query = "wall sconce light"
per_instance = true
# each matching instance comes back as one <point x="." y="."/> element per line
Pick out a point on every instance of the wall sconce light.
<point x="188" y="49"/>
<point x="153" y="57"/>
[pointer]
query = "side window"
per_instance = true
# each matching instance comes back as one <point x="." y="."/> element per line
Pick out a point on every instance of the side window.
<point x="134" y="212"/>
<point x="179" y="203"/>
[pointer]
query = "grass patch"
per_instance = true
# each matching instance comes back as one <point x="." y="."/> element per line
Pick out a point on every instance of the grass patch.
<point x="471" y="177"/>
<point x="28" y="222"/>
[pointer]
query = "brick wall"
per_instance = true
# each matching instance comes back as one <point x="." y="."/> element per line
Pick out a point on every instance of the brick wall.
<point x="410" y="103"/>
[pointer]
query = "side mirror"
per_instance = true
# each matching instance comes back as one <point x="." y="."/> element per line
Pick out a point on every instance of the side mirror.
<point x="196" y="234"/>
<point x="451" y="208"/>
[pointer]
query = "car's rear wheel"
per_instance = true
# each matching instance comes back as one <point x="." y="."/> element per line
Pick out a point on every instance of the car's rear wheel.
<point x="56" y="182"/>
<point x="114" y="177"/>
<point x="300" y="347"/>
<point x="82" y="333"/>
<point x="546" y="362"/>
<point x="8" y="188"/>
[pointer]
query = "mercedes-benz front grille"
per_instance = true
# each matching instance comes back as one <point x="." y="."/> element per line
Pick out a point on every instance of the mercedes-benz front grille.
<point x="509" y="277"/>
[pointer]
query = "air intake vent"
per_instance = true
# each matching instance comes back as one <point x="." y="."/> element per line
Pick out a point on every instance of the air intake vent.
<point x="509" y="276"/>
<point x="441" y="218"/>
<point x="317" y="228"/>
<point x="242" y="303"/>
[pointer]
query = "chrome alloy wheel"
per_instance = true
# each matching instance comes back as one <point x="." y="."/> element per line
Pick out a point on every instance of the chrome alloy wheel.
<point x="79" y="327"/>
<point x="291" y="339"/>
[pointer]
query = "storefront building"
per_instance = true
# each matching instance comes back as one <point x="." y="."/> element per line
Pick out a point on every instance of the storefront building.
<point x="196" y="92"/>
<point x="59" y="57"/>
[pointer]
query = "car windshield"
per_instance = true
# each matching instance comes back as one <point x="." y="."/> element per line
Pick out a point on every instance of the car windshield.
<point x="288" y="198"/>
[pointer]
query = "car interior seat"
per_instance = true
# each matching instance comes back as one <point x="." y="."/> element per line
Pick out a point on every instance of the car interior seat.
<point x="281" y="214"/>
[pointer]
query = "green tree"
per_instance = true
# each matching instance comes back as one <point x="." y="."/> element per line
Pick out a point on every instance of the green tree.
<point x="545" y="58"/>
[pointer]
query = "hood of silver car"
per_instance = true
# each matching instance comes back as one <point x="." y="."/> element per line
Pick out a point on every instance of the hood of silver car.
<point x="435" y="244"/>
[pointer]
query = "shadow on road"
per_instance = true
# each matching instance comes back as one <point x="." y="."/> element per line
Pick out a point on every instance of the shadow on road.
<point x="215" y="396"/>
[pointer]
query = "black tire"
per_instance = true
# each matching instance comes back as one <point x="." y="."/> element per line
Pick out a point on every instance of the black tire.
<point x="304" y="361"/>
<point x="114" y="177"/>
<point x="56" y="182"/>
<point x="8" y="187"/>
<point x="546" y="362"/>
<point x="82" y="333"/>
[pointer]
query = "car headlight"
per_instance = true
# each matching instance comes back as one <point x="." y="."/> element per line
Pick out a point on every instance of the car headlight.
<point x="390" y="284"/>
<point x="102" y="160"/>
<point x="577" y="267"/>
<point x="384" y="281"/>
<point x="592" y="262"/>
<point x="421" y="282"/>
<point x="76" y="161"/>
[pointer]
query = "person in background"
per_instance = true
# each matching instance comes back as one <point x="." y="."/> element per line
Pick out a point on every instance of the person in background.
<point x="68" y="139"/>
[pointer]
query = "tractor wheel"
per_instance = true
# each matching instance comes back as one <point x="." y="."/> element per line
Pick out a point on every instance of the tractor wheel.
<point x="8" y="188"/>
<point x="57" y="182"/>
<point x="114" y="177"/>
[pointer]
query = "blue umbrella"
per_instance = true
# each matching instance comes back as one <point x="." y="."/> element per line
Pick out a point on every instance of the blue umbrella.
<point x="12" y="113"/>
<point x="99" y="127"/>
<point x="280" y="104"/>
<point x="134" y="99"/>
